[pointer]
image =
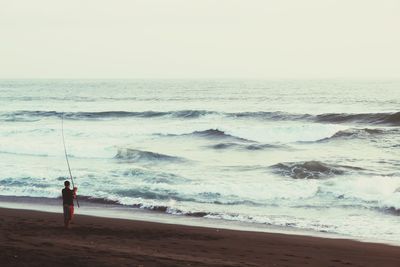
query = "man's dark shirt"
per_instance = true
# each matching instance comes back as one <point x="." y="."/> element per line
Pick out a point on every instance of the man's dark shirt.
<point x="68" y="196"/>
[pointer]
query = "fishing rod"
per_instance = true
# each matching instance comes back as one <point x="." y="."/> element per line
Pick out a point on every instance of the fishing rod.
<point x="66" y="157"/>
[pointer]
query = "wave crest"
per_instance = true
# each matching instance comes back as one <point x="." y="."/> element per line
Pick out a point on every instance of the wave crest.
<point x="217" y="134"/>
<point x="372" y="118"/>
<point x="354" y="133"/>
<point x="135" y="155"/>
<point x="155" y="177"/>
<point x="256" y="146"/>
<point x="368" y="118"/>
<point x="212" y="134"/>
<point x="23" y="115"/>
<point x="310" y="169"/>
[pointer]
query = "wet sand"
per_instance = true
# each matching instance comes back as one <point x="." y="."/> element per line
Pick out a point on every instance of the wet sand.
<point x="32" y="238"/>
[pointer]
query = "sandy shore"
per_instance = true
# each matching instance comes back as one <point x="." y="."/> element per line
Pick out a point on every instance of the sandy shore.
<point x="31" y="238"/>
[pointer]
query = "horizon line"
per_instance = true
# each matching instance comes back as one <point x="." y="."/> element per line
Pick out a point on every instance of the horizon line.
<point x="213" y="78"/>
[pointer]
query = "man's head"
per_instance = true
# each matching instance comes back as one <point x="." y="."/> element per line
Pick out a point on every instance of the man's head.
<point x="66" y="183"/>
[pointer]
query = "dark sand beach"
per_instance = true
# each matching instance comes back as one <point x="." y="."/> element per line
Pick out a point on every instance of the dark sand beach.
<point x="31" y="238"/>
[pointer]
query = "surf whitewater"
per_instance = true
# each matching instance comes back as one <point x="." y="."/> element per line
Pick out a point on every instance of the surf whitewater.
<point x="314" y="155"/>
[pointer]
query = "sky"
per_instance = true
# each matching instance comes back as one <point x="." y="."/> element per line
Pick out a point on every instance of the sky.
<point x="256" y="39"/>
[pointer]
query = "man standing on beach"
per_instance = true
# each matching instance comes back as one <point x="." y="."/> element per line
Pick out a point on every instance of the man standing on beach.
<point x="68" y="203"/>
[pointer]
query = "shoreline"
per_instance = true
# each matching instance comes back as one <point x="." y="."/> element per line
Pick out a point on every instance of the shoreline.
<point x="34" y="238"/>
<point x="117" y="211"/>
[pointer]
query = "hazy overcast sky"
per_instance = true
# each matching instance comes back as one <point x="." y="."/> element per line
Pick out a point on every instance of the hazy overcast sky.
<point x="200" y="39"/>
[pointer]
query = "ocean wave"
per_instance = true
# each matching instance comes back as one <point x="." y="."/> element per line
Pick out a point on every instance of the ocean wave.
<point x="146" y="198"/>
<point x="27" y="115"/>
<point x="355" y="133"/>
<point x="170" y="210"/>
<point x="153" y="177"/>
<point x="371" y="118"/>
<point x="256" y="146"/>
<point x="146" y="193"/>
<point x="24" y="154"/>
<point x="217" y="134"/>
<point x="310" y="169"/>
<point x="98" y="200"/>
<point x="24" y="182"/>
<point x="213" y="134"/>
<point x="390" y="118"/>
<point x="135" y="155"/>
<point x="271" y="115"/>
<point x="163" y="200"/>
<point x="391" y="210"/>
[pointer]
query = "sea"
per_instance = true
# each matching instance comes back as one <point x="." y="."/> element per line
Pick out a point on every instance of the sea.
<point x="318" y="155"/>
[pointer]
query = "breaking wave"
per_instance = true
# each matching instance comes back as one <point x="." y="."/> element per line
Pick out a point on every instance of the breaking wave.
<point x="355" y="133"/>
<point x="170" y="209"/>
<point x="255" y="146"/>
<point x="134" y="155"/>
<point x="373" y="118"/>
<point x="217" y="134"/>
<point x="392" y="119"/>
<point x="24" y="182"/>
<point x="274" y="115"/>
<point x="213" y="134"/>
<point x="155" y="177"/>
<point x="391" y="210"/>
<point x="310" y="169"/>
<point x="98" y="200"/>
<point x="24" y="115"/>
